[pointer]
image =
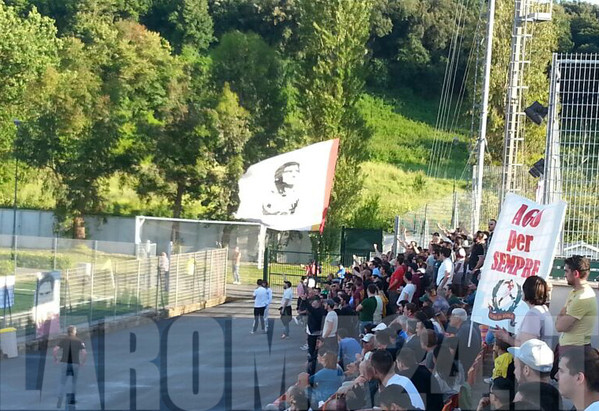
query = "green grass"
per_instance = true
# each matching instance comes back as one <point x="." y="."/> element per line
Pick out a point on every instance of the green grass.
<point x="407" y="143"/>
<point x="403" y="136"/>
<point x="401" y="191"/>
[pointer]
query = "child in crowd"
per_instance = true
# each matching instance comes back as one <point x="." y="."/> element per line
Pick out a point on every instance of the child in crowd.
<point x="504" y="361"/>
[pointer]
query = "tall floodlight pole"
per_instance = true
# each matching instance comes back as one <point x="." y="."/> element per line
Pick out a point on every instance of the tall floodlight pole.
<point x="526" y="11"/>
<point x="482" y="134"/>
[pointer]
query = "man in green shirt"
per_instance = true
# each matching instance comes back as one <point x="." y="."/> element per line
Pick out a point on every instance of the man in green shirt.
<point x="367" y="307"/>
<point x="577" y="319"/>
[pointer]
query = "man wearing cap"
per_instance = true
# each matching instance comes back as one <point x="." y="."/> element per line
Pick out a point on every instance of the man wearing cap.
<point x="367" y="344"/>
<point x="579" y="377"/>
<point x="329" y="331"/>
<point x="532" y="365"/>
<point x="532" y="361"/>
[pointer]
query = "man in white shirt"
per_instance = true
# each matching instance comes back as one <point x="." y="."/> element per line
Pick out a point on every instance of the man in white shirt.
<point x="578" y="374"/>
<point x="329" y="331"/>
<point x="384" y="371"/>
<point x="408" y="291"/>
<point x="445" y="273"/>
<point x="285" y="308"/>
<point x="260" y="303"/>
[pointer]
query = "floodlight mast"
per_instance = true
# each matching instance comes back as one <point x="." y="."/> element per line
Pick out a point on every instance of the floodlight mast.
<point x="482" y="135"/>
<point x="526" y="11"/>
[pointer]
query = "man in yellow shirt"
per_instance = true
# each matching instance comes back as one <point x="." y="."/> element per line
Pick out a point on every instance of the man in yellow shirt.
<point x="577" y="319"/>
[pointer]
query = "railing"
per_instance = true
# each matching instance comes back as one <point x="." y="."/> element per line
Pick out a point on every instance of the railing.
<point x="108" y="290"/>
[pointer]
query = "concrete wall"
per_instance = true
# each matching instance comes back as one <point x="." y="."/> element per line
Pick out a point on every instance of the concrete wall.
<point x="37" y="223"/>
<point x="32" y="224"/>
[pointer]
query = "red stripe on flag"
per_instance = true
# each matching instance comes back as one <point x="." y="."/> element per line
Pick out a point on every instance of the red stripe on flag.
<point x="329" y="183"/>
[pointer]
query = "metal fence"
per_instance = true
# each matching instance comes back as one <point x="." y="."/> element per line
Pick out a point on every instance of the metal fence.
<point x="109" y="290"/>
<point x="457" y="209"/>
<point x="572" y="152"/>
<point x="22" y="254"/>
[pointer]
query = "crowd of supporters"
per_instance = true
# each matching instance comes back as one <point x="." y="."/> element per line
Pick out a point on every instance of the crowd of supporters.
<point x="395" y="333"/>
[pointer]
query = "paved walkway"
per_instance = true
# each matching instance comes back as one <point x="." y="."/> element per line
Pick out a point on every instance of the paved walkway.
<point x="200" y="361"/>
<point x="240" y="304"/>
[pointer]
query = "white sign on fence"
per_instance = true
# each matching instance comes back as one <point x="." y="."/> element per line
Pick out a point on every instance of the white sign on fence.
<point x="7" y="291"/>
<point x="524" y="244"/>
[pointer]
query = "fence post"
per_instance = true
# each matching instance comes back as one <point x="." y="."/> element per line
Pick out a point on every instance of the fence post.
<point x="212" y="276"/>
<point x="55" y="247"/>
<point x="226" y="252"/>
<point x="116" y="284"/>
<point x="91" y="294"/>
<point x="137" y="302"/>
<point x="177" y="282"/>
<point x="266" y="264"/>
<point x="15" y="252"/>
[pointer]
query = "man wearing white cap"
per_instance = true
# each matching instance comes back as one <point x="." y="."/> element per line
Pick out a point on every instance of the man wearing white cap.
<point x="532" y="361"/>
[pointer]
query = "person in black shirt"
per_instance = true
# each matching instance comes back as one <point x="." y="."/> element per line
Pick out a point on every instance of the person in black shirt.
<point x="348" y="318"/>
<point x="316" y="313"/>
<point x="73" y="355"/>
<point x="477" y="256"/>
<point x="424" y="381"/>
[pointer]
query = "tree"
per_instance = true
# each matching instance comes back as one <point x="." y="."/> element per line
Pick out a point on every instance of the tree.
<point x="182" y="23"/>
<point x="412" y="38"/>
<point x="230" y="126"/>
<point x="333" y="35"/>
<point x="583" y="27"/>
<point x="195" y="144"/>
<point x="29" y="46"/>
<point x="87" y="124"/>
<point x="256" y="74"/>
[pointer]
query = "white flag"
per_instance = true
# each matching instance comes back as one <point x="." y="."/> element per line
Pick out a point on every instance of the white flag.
<point x="290" y="191"/>
<point x="524" y="244"/>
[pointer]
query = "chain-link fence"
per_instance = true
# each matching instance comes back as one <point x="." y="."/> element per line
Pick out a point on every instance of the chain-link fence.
<point x="572" y="151"/>
<point x="292" y="265"/>
<point x="107" y="289"/>
<point x="456" y="209"/>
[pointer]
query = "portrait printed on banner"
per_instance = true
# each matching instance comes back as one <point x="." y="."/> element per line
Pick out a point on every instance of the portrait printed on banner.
<point x="283" y="198"/>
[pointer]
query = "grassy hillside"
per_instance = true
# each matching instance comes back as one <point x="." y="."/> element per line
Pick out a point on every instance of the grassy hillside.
<point x="399" y="154"/>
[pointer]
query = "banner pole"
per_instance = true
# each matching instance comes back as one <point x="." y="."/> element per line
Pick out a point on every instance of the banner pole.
<point x="470" y="333"/>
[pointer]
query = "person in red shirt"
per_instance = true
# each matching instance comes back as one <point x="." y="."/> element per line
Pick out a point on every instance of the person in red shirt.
<point x="396" y="281"/>
<point x="359" y="292"/>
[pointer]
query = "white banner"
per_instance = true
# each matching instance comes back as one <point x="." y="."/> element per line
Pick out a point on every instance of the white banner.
<point x="290" y="191"/>
<point x="524" y="244"/>
<point x="46" y="304"/>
